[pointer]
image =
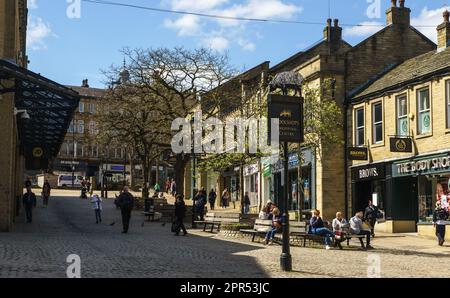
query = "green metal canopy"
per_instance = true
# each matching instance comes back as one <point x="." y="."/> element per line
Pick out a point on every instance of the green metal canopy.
<point x="51" y="107"/>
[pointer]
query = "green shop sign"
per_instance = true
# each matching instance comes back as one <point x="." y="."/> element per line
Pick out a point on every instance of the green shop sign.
<point x="422" y="166"/>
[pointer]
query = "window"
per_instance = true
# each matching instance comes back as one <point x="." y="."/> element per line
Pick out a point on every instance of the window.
<point x="95" y="151"/>
<point x="402" y="116"/>
<point x="78" y="149"/>
<point x="92" y="127"/>
<point x="72" y="126"/>
<point x="80" y="126"/>
<point x="447" y="88"/>
<point x="91" y="108"/>
<point x="377" y="119"/>
<point x="424" y="111"/>
<point x="359" y="129"/>
<point x="81" y="107"/>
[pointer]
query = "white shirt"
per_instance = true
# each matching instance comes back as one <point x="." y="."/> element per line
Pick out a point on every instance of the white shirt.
<point x="337" y="225"/>
<point x="96" y="203"/>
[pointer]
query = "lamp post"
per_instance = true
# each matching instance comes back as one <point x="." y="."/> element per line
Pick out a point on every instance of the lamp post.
<point x="289" y="110"/>
<point x="194" y="174"/>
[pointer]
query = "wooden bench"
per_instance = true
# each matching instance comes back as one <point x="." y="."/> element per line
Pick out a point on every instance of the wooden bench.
<point x="349" y="236"/>
<point x="216" y="219"/>
<point x="260" y="228"/>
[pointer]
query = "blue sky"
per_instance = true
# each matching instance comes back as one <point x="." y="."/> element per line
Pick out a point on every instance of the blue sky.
<point x="69" y="50"/>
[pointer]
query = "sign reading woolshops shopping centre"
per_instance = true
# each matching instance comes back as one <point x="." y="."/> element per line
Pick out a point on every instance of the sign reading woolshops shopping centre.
<point x="430" y="165"/>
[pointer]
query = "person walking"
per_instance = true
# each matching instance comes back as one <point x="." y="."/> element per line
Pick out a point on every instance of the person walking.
<point x="88" y="185"/>
<point x="180" y="212"/>
<point x="29" y="202"/>
<point x="157" y="187"/>
<point x="356" y="228"/>
<point x="200" y="202"/>
<point x="212" y="198"/>
<point x="440" y="216"/>
<point x="96" y="203"/>
<point x="224" y="199"/>
<point x="126" y="204"/>
<point x="173" y="188"/>
<point x="246" y="203"/>
<point x="46" y="188"/>
<point x="371" y="215"/>
<point x="167" y="185"/>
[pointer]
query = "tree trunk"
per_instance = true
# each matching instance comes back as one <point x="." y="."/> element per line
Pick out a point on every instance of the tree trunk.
<point x="145" y="169"/>
<point x="179" y="168"/>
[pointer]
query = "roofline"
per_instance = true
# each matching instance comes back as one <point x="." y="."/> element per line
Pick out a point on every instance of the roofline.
<point x="297" y="55"/>
<point x="439" y="72"/>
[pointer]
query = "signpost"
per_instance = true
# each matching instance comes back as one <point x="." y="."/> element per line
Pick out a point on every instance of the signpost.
<point x="401" y="145"/>
<point x="289" y="111"/>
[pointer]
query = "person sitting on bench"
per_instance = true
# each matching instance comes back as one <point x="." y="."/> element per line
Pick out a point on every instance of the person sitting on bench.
<point x="276" y="225"/>
<point x="317" y="227"/>
<point x="356" y="228"/>
<point x="338" y="223"/>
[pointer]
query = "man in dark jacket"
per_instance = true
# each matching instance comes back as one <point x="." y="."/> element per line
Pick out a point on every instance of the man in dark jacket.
<point x="371" y="215"/>
<point x="126" y="204"/>
<point x="246" y="203"/>
<point x="29" y="202"/>
<point x="200" y="202"/>
<point x="440" y="216"/>
<point x="180" y="212"/>
<point x="212" y="199"/>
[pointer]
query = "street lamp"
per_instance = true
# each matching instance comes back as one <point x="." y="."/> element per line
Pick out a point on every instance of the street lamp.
<point x="290" y="110"/>
<point x="194" y="174"/>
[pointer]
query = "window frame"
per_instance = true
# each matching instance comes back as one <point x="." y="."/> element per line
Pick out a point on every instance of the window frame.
<point x="358" y="128"/>
<point x="420" y="112"/>
<point x="376" y="123"/>
<point x="447" y="103"/>
<point x="401" y="117"/>
<point x="81" y="107"/>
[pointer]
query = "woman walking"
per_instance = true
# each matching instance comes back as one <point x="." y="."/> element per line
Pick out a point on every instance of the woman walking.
<point x="96" y="203"/>
<point x="46" y="193"/>
<point x="224" y="199"/>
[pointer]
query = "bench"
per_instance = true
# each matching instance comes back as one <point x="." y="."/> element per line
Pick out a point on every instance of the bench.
<point x="349" y="236"/>
<point x="260" y="228"/>
<point x="216" y="219"/>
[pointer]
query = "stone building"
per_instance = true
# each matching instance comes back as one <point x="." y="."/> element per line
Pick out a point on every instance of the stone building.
<point x="34" y="111"/>
<point x="402" y="117"/>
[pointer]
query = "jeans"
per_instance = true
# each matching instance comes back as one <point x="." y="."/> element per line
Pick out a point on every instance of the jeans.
<point x="98" y="215"/>
<point x="180" y="226"/>
<point x="367" y="233"/>
<point x="326" y="233"/>
<point x="126" y="216"/>
<point x="440" y="232"/>
<point x="29" y="213"/>
<point x="270" y="234"/>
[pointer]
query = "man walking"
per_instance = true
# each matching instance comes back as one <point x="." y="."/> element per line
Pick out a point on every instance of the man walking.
<point x="371" y="215"/>
<point x="46" y="193"/>
<point x="246" y="203"/>
<point x="29" y="202"/>
<point x="126" y="204"/>
<point x="180" y="212"/>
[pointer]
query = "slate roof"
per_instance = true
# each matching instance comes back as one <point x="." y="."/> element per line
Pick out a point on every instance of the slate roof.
<point x="413" y="70"/>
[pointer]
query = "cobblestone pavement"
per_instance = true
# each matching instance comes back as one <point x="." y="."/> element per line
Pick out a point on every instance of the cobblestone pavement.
<point x="68" y="227"/>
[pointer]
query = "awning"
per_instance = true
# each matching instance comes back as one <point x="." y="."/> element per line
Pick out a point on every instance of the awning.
<point x="50" y="106"/>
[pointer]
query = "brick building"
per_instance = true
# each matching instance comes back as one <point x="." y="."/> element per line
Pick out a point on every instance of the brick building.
<point x="403" y="117"/>
<point x="34" y="111"/>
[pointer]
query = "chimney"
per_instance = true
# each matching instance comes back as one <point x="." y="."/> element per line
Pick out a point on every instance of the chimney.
<point x="398" y="15"/>
<point x="444" y="33"/>
<point x="333" y="34"/>
<point x="85" y="83"/>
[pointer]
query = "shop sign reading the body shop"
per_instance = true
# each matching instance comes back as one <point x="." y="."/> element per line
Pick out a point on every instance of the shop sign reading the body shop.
<point x="435" y="164"/>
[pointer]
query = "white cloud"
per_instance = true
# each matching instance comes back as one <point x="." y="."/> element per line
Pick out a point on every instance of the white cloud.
<point x="38" y="31"/>
<point x="32" y="4"/>
<point x="430" y="18"/>
<point x="217" y="43"/>
<point x="205" y="29"/>
<point x="187" y="25"/>
<point x="364" y="29"/>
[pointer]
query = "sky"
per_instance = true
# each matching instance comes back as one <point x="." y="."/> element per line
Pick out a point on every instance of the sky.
<point x="72" y="40"/>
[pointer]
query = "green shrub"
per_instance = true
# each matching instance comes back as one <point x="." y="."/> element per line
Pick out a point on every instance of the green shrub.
<point x="235" y="227"/>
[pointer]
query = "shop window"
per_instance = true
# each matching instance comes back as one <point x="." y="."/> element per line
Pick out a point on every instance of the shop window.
<point x="402" y="116"/>
<point x="447" y="94"/>
<point x="359" y="129"/>
<point x="306" y="193"/>
<point x="424" y="111"/>
<point x="377" y="118"/>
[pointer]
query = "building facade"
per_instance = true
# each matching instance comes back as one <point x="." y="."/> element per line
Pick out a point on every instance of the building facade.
<point x="403" y="119"/>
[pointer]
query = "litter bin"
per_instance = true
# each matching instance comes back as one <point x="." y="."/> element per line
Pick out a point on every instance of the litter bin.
<point x="149" y="205"/>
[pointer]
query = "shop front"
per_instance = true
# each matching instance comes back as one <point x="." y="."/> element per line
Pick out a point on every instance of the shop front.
<point x="251" y="184"/>
<point x="419" y="183"/>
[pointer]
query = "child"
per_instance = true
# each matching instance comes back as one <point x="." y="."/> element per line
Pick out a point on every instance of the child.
<point x="96" y="203"/>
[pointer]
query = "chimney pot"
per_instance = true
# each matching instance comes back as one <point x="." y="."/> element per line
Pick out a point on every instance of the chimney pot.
<point x="446" y="15"/>
<point x="85" y="83"/>
<point x="336" y="23"/>
<point x="329" y="23"/>
<point x="394" y="3"/>
<point x="402" y="3"/>
<point x="443" y="31"/>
